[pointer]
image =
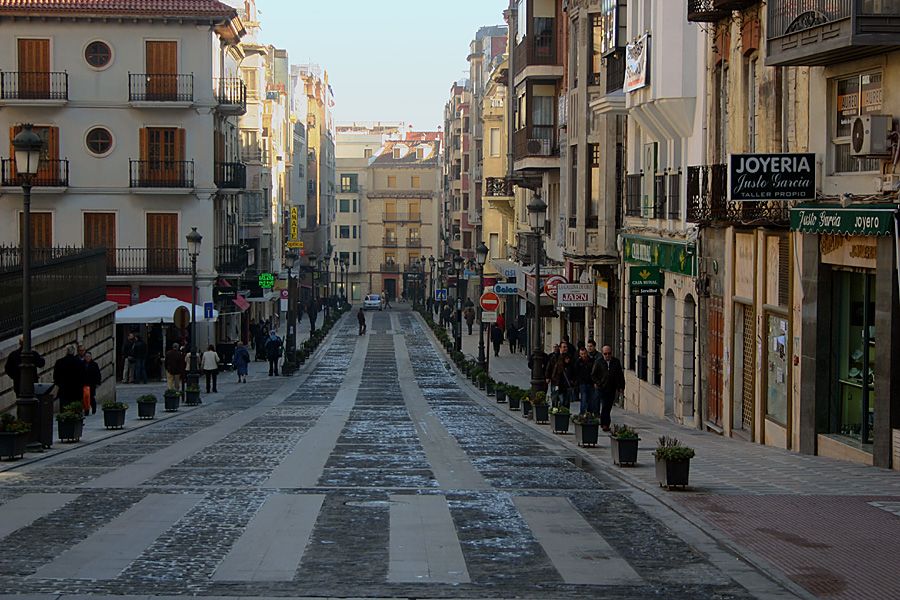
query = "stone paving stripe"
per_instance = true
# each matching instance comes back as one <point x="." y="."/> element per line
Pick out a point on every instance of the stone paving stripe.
<point x="450" y="464"/>
<point x="272" y="545"/>
<point x="303" y="467"/>
<point x="108" y="551"/>
<point x="423" y="543"/>
<point x="28" y="508"/>
<point x="579" y="553"/>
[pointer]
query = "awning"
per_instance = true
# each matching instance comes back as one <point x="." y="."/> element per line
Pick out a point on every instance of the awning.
<point x="504" y="267"/>
<point x="834" y="219"/>
<point x="161" y="309"/>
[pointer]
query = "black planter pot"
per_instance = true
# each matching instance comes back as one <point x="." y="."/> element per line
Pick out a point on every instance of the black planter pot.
<point x="624" y="452"/>
<point x="192" y="398"/>
<point x="490" y="389"/>
<point x="527" y="408"/>
<point x="541" y="413"/>
<point x="587" y="434"/>
<point x="501" y="396"/>
<point x="672" y="473"/>
<point x="171" y="403"/>
<point x="146" y="410"/>
<point x="513" y="403"/>
<point x="114" y="418"/>
<point x="561" y="423"/>
<point x="12" y="444"/>
<point x="482" y="385"/>
<point x="70" y="431"/>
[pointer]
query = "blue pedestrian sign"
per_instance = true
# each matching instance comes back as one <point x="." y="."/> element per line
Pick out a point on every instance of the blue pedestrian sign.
<point x="440" y="295"/>
<point x="207" y="310"/>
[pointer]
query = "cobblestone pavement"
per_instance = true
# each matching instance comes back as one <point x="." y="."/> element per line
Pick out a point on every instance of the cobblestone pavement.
<point x="374" y="473"/>
<point x="832" y="527"/>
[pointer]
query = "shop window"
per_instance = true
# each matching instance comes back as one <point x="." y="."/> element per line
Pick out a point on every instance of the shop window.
<point x="657" y="340"/>
<point x="777" y="369"/>
<point x="643" y="339"/>
<point x="859" y="94"/>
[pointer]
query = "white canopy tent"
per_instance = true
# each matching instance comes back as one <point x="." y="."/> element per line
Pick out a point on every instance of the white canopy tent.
<point x="158" y="310"/>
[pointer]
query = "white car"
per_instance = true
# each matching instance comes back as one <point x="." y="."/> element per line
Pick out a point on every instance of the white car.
<point x="372" y="302"/>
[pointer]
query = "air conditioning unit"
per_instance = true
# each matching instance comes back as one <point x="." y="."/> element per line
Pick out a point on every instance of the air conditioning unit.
<point x="869" y="135"/>
<point x="538" y="147"/>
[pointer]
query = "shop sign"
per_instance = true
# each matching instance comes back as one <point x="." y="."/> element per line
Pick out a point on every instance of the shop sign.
<point x="575" y="294"/>
<point x="295" y="229"/>
<point x="266" y="281"/>
<point x="603" y="293"/>
<point x="848" y="251"/>
<point x="645" y="281"/>
<point x="551" y="286"/>
<point x="869" y="220"/>
<point x="669" y="256"/>
<point x="637" y="69"/>
<point x="762" y="177"/>
<point x="489" y="316"/>
<point x="506" y="289"/>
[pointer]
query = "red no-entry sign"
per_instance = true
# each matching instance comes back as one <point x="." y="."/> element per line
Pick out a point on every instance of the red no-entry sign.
<point x="490" y="301"/>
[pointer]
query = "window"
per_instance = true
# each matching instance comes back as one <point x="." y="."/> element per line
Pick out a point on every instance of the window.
<point x="521" y="19"/>
<point x="344" y="205"/>
<point x="98" y="141"/>
<point x="344" y="232"/>
<point x="420" y="153"/>
<point x="355" y="205"/>
<point x="98" y="54"/>
<point x="367" y="153"/>
<point x="750" y="71"/>
<point x="249" y="77"/>
<point x="856" y="95"/>
<point x="349" y="182"/>
<point x="392" y="181"/>
<point x="542" y="112"/>
<point x="345" y="256"/>
<point x="354" y="232"/>
<point x="494" y="142"/>
<point x="354" y="258"/>
<point x="396" y="152"/>
<point x="415" y="182"/>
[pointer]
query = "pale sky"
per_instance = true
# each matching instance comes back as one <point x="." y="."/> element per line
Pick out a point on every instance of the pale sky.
<point x="393" y="60"/>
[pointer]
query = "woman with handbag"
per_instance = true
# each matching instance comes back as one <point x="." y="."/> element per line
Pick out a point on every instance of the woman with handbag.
<point x="209" y="362"/>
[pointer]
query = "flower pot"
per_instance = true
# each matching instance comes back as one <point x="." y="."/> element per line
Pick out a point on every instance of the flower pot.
<point x="624" y="452"/>
<point x="513" y="403"/>
<point x="541" y="413"/>
<point x="527" y="408"/>
<point x="501" y="396"/>
<point x="482" y="385"/>
<point x="561" y="423"/>
<point x="192" y="397"/>
<point x="147" y="410"/>
<point x="672" y="472"/>
<point x="490" y="389"/>
<point x="12" y="443"/>
<point x="172" y="403"/>
<point x="114" y="418"/>
<point x="70" y="431"/>
<point x="587" y="434"/>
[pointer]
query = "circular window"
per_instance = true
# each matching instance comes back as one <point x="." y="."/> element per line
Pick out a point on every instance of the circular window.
<point x="99" y="141"/>
<point x="98" y="54"/>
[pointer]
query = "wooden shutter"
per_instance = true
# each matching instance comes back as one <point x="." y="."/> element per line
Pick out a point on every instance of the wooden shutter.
<point x="34" y="68"/>
<point x="162" y="243"/>
<point x="49" y="169"/>
<point x="162" y="70"/>
<point x="100" y="232"/>
<point x="13" y="132"/>
<point x="179" y="145"/>
<point x="41" y="229"/>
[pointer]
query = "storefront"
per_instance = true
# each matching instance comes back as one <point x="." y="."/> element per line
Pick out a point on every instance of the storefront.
<point x="849" y="392"/>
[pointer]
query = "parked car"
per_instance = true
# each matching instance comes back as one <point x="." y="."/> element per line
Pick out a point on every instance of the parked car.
<point x="372" y="302"/>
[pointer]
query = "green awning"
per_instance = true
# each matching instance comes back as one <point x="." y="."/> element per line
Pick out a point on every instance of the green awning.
<point x="857" y="219"/>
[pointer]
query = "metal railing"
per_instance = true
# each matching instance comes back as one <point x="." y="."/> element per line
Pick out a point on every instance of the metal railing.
<point x="401" y="217"/>
<point x="231" y="91"/>
<point x="148" y="261"/>
<point x="390" y="267"/>
<point x="161" y="174"/>
<point x="705" y="11"/>
<point x="413" y="242"/>
<point x="538" y="140"/>
<point x="160" y="87"/>
<point x="791" y="16"/>
<point x="230" y="175"/>
<point x="64" y="282"/>
<point x="51" y="173"/>
<point x="498" y="187"/>
<point x="658" y="210"/>
<point x="673" y="196"/>
<point x="390" y="242"/>
<point x="707" y="200"/>
<point x="615" y="70"/>
<point x="633" y="194"/>
<point x="34" y="85"/>
<point x="11" y="256"/>
<point x="230" y="258"/>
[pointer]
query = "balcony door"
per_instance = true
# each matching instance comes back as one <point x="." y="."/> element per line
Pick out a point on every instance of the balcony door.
<point x="49" y="167"/>
<point x="162" y="153"/>
<point x="34" y="68"/>
<point x="100" y="232"/>
<point x="41" y="229"/>
<point x="162" y="243"/>
<point x="162" y="70"/>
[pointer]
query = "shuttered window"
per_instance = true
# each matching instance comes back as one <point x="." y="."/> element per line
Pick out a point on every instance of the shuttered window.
<point x="41" y="229"/>
<point x="34" y="68"/>
<point x="162" y="242"/>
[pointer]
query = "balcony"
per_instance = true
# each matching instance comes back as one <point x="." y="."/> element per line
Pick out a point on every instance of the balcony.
<point x="825" y="32"/>
<point x="153" y="88"/>
<point x="172" y="174"/>
<point x="498" y="187"/>
<point x="673" y="196"/>
<point x="147" y="261"/>
<point x="401" y="217"/>
<point x="231" y="95"/>
<point x="51" y="174"/>
<point x="390" y="267"/>
<point x="254" y="154"/>
<point x="633" y="194"/>
<point x="705" y="11"/>
<point x="230" y="175"/>
<point x="538" y="140"/>
<point x="537" y="49"/>
<point x="230" y="259"/>
<point x="707" y="201"/>
<point x="734" y="4"/>
<point x="615" y="71"/>
<point x="413" y="242"/>
<point x="34" y="87"/>
<point x="390" y="241"/>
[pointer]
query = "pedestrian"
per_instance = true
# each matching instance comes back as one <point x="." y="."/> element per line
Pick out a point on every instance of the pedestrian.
<point x="361" y="317"/>
<point x="446" y="312"/>
<point x="501" y="322"/>
<point x="386" y="298"/>
<point x="68" y="375"/>
<point x="13" y="366"/>
<point x="512" y="335"/>
<point x="548" y="367"/>
<point x="593" y="354"/>
<point x="273" y="352"/>
<point x="563" y="377"/>
<point x="174" y="364"/>
<point x="254" y="332"/>
<point x="496" y="338"/>
<point x="128" y="355"/>
<point x="92" y="378"/>
<point x="139" y="351"/>
<point x="209" y="362"/>
<point x="521" y="332"/>
<point x="469" y="316"/>
<point x="312" y="311"/>
<point x="587" y="393"/>
<point x="609" y="379"/>
<point x="241" y="360"/>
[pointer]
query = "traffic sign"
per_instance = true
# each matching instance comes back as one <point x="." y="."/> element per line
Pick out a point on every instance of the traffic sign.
<point x="284" y="294"/>
<point x="490" y="301"/>
<point x="295" y="244"/>
<point x="440" y="295"/>
<point x="488" y="316"/>
<point x="207" y="310"/>
<point x="182" y="317"/>
<point x="552" y="282"/>
<point x="506" y="289"/>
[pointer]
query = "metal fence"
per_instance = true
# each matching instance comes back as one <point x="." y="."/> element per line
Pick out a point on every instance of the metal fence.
<point x="34" y="85"/>
<point x="51" y="173"/>
<point x="161" y="173"/>
<point x="790" y="16"/>
<point x="160" y="87"/>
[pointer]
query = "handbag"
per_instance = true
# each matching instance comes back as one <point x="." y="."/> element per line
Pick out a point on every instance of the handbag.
<point x="86" y="399"/>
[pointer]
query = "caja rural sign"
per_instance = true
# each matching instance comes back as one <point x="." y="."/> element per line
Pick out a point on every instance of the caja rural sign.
<point x="760" y="177"/>
<point x="575" y="294"/>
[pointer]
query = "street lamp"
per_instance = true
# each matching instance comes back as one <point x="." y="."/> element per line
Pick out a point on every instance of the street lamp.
<point x="537" y="210"/>
<point x="337" y="260"/>
<point x="290" y="259"/>
<point x="458" y="264"/>
<point x="431" y="281"/>
<point x="27" y="147"/>
<point x="193" y="244"/>
<point x="345" y="275"/>
<point x="481" y="253"/>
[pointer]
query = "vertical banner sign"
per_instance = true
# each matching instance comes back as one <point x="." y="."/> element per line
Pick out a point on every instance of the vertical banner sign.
<point x="603" y="293"/>
<point x="295" y="229"/>
<point x="637" y="70"/>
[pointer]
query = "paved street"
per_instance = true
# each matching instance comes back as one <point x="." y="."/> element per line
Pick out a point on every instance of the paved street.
<point x="374" y="473"/>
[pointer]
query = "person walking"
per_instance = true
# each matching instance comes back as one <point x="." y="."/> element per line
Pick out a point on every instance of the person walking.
<point x="609" y="379"/>
<point x="469" y="316"/>
<point x="592" y="351"/>
<point x="241" y="360"/>
<point x="361" y="317"/>
<point x="521" y="332"/>
<point x="13" y="367"/>
<point x="273" y="352"/>
<point x="68" y="375"/>
<point x="139" y="351"/>
<point x="174" y="364"/>
<point x="312" y="311"/>
<point x="92" y="378"/>
<point x="386" y="299"/>
<point x="128" y="355"/>
<point x="562" y="376"/>
<point x="512" y="335"/>
<point x="501" y="322"/>
<point x="496" y="338"/>
<point x="446" y="312"/>
<point x="548" y="368"/>
<point x="209" y="363"/>
<point x="587" y="393"/>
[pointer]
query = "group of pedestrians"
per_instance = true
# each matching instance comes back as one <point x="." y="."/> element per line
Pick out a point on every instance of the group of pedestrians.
<point x="135" y="353"/>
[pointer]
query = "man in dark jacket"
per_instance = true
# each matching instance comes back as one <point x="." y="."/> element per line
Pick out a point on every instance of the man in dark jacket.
<point x="128" y="355"/>
<point x="13" y="366"/>
<point x="174" y="364"/>
<point x="69" y="377"/>
<point x="312" y="312"/>
<point x="496" y="338"/>
<point x="562" y="376"/>
<point x="273" y="353"/>
<point x="139" y="350"/>
<point x="609" y="378"/>
<point x="587" y="393"/>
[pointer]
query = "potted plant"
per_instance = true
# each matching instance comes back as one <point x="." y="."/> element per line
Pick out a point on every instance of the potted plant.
<point x="541" y="410"/>
<point x="587" y="429"/>
<point x="490" y="386"/>
<point x="560" y="419"/>
<point x="13" y="436"/>
<point x="147" y="406"/>
<point x="514" y="395"/>
<point x="192" y="395"/>
<point x="500" y="391"/>
<point x="172" y="399"/>
<point x="673" y="462"/>
<point x="70" y="422"/>
<point x="482" y="380"/>
<point x="474" y="374"/>
<point x="624" y="444"/>
<point x="114" y="414"/>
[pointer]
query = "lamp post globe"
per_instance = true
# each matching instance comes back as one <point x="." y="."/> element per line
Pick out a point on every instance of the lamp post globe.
<point x="194" y="240"/>
<point x="537" y="210"/>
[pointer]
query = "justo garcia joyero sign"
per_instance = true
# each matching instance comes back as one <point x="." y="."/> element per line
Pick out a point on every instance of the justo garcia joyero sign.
<point x="761" y="177"/>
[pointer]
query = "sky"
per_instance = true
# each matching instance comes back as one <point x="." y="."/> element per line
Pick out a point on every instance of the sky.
<point x="393" y="60"/>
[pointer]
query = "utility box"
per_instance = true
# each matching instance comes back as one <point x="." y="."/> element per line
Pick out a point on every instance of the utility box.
<point x="42" y="425"/>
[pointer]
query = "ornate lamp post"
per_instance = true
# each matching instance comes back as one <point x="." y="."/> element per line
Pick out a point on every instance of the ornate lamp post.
<point x="458" y="264"/>
<point x="481" y="253"/>
<point x="27" y="147"/>
<point x="289" y="260"/>
<point x="193" y="244"/>
<point x="345" y="275"/>
<point x="431" y="280"/>
<point x="337" y="261"/>
<point x="537" y="210"/>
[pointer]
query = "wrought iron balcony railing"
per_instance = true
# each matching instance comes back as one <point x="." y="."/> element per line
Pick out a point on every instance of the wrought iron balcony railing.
<point x="148" y="261"/>
<point x="707" y="201"/>
<point x="615" y="71"/>
<point x="230" y="175"/>
<point x="160" y="87"/>
<point x="34" y="85"/>
<point x="390" y="267"/>
<point x="161" y="174"/>
<point x="230" y="258"/>
<point x="705" y="11"/>
<point x="231" y="94"/>
<point x="498" y="187"/>
<point x="390" y="241"/>
<point x="51" y="173"/>
<point x="633" y="193"/>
